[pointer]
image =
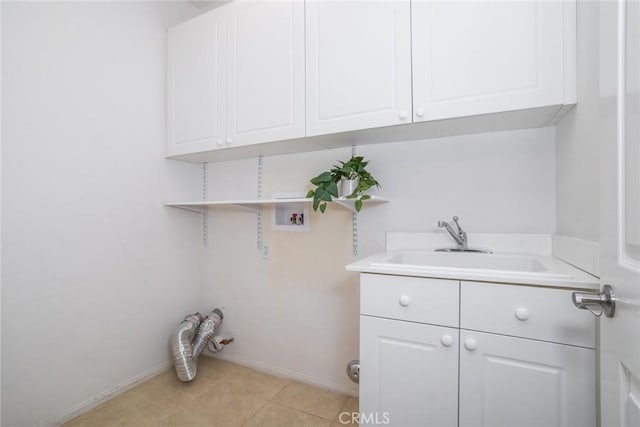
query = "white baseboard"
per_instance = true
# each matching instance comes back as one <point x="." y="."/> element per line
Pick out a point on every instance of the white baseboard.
<point x="104" y="396"/>
<point x="583" y="254"/>
<point x="292" y="375"/>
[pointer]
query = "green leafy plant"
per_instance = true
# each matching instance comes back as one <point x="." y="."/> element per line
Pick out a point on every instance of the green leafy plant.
<point x="327" y="183"/>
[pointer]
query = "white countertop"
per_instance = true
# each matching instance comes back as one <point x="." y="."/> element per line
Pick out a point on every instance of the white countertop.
<point x="516" y="258"/>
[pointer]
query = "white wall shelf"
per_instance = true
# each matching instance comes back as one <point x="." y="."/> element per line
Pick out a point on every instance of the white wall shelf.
<point x="256" y="205"/>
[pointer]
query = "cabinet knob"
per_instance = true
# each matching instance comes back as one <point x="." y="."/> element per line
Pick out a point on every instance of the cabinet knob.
<point x="229" y="141"/>
<point x="219" y="143"/>
<point x="446" y="340"/>
<point x="470" y="344"/>
<point x="402" y="115"/>
<point x="404" y="300"/>
<point x="522" y="314"/>
<point x="419" y="112"/>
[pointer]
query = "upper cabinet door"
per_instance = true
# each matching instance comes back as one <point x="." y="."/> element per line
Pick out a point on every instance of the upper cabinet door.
<point x="482" y="57"/>
<point x="196" y="80"/>
<point x="358" y="65"/>
<point x="266" y="71"/>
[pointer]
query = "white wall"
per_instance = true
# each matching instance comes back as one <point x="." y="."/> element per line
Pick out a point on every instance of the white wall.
<point x="577" y="135"/>
<point x="297" y="313"/>
<point x="0" y="210"/>
<point x="96" y="272"/>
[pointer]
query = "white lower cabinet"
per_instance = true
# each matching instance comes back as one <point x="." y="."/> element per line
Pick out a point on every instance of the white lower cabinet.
<point x="516" y="382"/>
<point x="409" y="375"/>
<point x="522" y="370"/>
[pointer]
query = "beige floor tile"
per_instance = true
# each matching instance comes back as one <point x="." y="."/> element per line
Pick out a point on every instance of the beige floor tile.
<point x="251" y="383"/>
<point x="190" y="389"/>
<point x="348" y="414"/>
<point x="165" y="391"/>
<point x="100" y="413"/>
<point x="114" y="414"/>
<point x="312" y="400"/>
<point x="216" y="410"/>
<point x="274" y="415"/>
<point x="216" y="369"/>
<point x="352" y="405"/>
<point x="223" y="394"/>
<point x="153" y="411"/>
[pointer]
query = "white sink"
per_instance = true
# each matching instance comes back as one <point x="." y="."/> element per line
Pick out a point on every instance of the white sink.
<point x="517" y="258"/>
<point x="467" y="262"/>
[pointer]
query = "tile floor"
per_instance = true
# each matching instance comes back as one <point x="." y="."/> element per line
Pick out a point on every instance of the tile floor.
<point x="223" y="394"/>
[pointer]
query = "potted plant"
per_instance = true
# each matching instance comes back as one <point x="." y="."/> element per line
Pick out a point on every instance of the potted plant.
<point x="354" y="178"/>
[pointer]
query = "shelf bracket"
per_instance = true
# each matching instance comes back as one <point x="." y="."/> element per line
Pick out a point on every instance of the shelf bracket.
<point x="259" y="210"/>
<point x="354" y="217"/>
<point x="349" y="204"/>
<point x="354" y="232"/>
<point x="249" y="207"/>
<point x="205" y="213"/>
<point x="196" y="209"/>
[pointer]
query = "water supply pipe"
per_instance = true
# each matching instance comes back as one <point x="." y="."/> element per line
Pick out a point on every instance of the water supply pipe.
<point x="217" y="342"/>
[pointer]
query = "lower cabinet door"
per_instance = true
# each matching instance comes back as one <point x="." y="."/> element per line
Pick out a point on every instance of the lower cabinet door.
<point x="516" y="382"/>
<point x="408" y="374"/>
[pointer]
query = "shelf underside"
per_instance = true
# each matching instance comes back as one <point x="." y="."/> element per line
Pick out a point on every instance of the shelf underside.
<point x="257" y="205"/>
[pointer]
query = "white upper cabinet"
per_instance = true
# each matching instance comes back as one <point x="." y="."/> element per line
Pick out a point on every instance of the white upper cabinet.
<point x="358" y="65"/>
<point x="266" y="71"/>
<point x="344" y="72"/>
<point x="196" y="88"/>
<point x="472" y="58"/>
<point x="236" y="77"/>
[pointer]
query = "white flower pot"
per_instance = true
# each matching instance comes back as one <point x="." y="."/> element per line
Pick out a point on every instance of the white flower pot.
<point x="348" y="186"/>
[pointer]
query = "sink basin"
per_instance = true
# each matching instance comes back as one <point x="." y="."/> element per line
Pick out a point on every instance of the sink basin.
<point x="518" y="258"/>
<point x="467" y="262"/>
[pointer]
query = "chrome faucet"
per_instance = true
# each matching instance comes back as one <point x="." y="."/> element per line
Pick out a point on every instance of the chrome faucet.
<point x="458" y="234"/>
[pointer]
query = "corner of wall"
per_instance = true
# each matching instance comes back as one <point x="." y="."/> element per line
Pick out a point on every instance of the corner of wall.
<point x="582" y="254"/>
<point x="577" y="142"/>
<point x="0" y="212"/>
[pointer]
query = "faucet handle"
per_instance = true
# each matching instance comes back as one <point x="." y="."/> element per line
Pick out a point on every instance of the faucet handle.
<point x="441" y="224"/>
<point x="460" y="230"/>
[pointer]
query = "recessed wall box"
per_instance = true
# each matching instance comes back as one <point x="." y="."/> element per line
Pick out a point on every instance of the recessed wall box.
<point x="290" y="216"/>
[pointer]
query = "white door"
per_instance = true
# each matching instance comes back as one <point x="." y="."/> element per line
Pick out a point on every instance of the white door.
<point x="620" y="210"/>
<point x="516" y="382"/>
<point x="196" y="84"/>
<point x="358" y="64"/>
<point x="480" y="57"/>
<point x="408" y="373"/>
<point x="266" y="90"/>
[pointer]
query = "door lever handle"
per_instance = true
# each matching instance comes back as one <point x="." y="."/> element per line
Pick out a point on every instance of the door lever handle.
<point x="603" y="302"/>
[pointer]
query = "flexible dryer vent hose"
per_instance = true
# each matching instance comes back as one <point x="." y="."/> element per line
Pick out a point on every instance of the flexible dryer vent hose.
<point x="181" y="348"/>
<point x="205" y="332"/>
<point x="185" y="349"/>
